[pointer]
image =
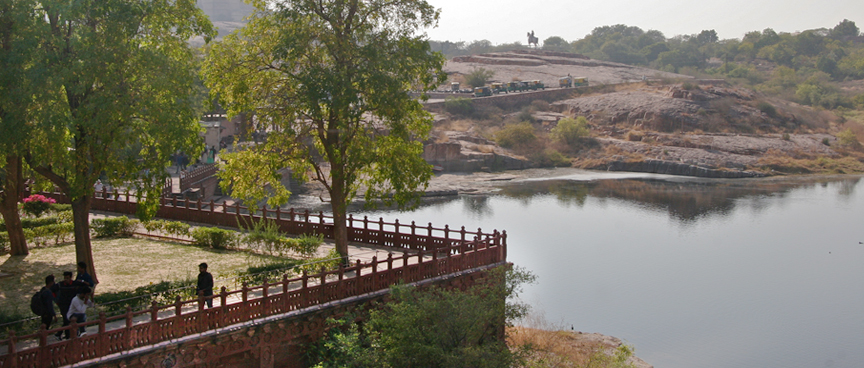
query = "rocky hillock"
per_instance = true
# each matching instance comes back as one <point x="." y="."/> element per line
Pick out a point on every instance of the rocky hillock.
<point x="548" y="66"/>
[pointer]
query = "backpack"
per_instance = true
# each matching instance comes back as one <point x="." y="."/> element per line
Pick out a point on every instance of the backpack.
<point x="36" y="303"/>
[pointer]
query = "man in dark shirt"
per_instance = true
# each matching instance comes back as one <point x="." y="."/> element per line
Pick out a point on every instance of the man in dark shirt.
<point x="47" y="299"/>
<point x="83" y="276"/>
<point x="205" y="284"/>
<point x="65" y="291"/>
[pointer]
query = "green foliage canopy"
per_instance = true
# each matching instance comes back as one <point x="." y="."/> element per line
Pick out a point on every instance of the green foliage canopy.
<point x="330" y="80"/>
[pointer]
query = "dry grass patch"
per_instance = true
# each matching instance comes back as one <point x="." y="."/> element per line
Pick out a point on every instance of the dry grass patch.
<point x="121" y="264"/>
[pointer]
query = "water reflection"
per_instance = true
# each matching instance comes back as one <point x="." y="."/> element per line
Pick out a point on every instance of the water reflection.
<point x="684" y="201"/>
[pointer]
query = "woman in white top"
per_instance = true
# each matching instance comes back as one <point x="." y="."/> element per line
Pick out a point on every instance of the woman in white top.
<point x="78" y="308"/>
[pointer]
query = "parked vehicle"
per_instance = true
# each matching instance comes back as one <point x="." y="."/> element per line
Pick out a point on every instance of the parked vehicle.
<point x="454" y="86"/>
<point x="536" y="84"/>
<point x="482" y="91"/>
<point x="514" y="86"/>
<point x="498" y="88"/>
<point x="580" y="81"/>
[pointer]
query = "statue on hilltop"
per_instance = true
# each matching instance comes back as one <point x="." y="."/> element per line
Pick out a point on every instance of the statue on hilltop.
<point x="532" y="39"/>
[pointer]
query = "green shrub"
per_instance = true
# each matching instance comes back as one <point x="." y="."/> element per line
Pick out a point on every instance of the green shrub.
<point x="60" y="207"/>
<point x="265" y="237"/>
<point x="478" y="77"/>
<point x="255" y="275"/>
<point x="214" y="237"/>
<point x="162" y="293"/>
<point x="826" y="141"/>
<point x="516" y="135"/>
<point x="767" y="108"/>
<point x="29" y="223"/>
<point x="330" y="262"/>
<point x="551" y="158"/>
<point x="459" y="106"/>
<point x="847" y="138"/>
<point x="570" y="131"/>
<point x="52" y="234"/>
<point x="114" y="226"/>
<point x="176" y="228"/>
<point x="153" y="225"/>
<point x="786" y="137"/>
<point x="525" y="115"/>
<point x="307" y="245"/>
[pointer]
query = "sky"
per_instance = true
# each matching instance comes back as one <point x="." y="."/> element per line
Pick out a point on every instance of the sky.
<point x="507" y="21"/>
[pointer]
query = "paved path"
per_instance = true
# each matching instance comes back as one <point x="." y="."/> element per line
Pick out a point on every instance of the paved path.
<point x="363" y="253"/>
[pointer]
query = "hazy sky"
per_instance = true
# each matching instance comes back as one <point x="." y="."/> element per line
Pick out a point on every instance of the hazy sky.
<point x="506" y="21"/>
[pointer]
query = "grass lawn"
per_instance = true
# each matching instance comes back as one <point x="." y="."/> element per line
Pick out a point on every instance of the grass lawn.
<point x="121" y="264"/>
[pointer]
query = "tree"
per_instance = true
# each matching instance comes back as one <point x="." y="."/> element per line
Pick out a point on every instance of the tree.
<point x="478" y="77"/>
<point x="121" y="98"/>
<point x="570" y="131"/>
<point x="845" y="30"/>
<point x="330" y="80"/>
<point x="432" y="327"/>
<point x="556" y="43"/>
<point x="19" y="81"/>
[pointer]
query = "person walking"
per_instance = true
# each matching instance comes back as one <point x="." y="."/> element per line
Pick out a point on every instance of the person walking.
<point x="83" y="276"/>
<point x="205" y="284"/>
<point x="46" y="298"/>
<point x="78" y="308"/>
<point x="65" y="291"/>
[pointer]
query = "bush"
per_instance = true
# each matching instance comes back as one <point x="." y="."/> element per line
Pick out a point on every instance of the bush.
<point x="114" y="226"/>
<point x="525" y="115"/>
<point x="847" y="138"/>
<point x="330" y="262"/>
<point x="265" y="237"/>
<point x="516" y="135"/>
<point x="164" y="292"/>
<point x="478" y="77"/>
<point x="459" y="106"/>
<point x="176" y="228"/>
<point x="767" y="108"/>
<point x="307" y="245"/>
<point x="826" y="141"/>
<point x="551" y="158"/>
<point x="570" y="131"/>
<point x="36" y="204"/>
<point x="153" y="225"/>
<point x="214" y="237"/>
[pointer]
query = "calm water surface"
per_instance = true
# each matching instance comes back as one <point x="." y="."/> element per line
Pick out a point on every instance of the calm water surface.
<point x="693" y="273"/>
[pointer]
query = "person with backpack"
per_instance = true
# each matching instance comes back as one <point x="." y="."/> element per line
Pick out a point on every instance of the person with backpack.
<point x="42" y="304"/>
<point x="78" y="308"/>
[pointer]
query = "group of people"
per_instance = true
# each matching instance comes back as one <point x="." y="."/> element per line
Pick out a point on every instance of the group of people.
<point x="73" y="297"/>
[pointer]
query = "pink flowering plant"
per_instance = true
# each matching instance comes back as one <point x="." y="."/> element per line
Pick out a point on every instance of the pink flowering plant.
<point x="36" y="204"/>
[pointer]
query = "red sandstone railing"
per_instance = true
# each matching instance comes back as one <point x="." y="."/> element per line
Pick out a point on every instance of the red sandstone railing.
<point x="395" y="234"/>
<point x="290" y="295"/>
<point x="188" y="178"/>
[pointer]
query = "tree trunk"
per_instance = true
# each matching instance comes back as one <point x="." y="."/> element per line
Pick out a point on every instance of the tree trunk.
<point x="81" y="219"/>
<point x="12" y="188"/>
<point x="339" y="207"/>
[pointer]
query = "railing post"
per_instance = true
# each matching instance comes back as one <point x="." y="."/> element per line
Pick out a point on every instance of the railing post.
<point x="340" y="292"/>
<point x="265" y="301"/>
<point x="178" y="306"/>
<point x="413" y="244"/>
<point x="304" y="290"/>
<point x="200" y="300"/>
<point x="322" y="294"/>
<point x="428" y="242"/>
<point x="128" y="342"/>
<point x="389" y="261"/>
<point x="435" y="263"/>
<point x="397" y="241"/>
<point x="374" y="273"/>
<point x="245" y="292"/>
<point x="223" y="298"/>
<point x="278" y="213"/>
<point x="11" y="349"/>
<point x="419" y="265"/>
<point x="43" y="342"/>
<point x="74" y="348"/>
<point x="212" y="206"/>
<point x="380" y="231"/>
<point x="101" y="344"/>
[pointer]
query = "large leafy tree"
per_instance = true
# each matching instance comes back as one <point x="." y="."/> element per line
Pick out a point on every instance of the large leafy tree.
<point x="122" y="77"/>
<point x="19" y="83"/>
<point x="329" y="81"/>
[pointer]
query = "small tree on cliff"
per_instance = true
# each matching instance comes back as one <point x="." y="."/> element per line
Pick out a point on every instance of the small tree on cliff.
<point x="329" y="81"/>
<point x="121" y="95"/>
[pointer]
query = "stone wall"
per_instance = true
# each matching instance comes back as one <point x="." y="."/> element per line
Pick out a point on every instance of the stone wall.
<point x="276" y="341"/>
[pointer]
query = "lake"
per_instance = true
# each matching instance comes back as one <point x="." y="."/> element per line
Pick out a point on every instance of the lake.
<point x="691" y="272"/>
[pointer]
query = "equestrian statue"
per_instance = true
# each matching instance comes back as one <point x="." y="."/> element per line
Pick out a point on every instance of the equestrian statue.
<point x="532" y="39"/>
